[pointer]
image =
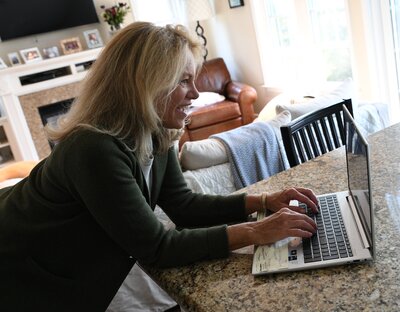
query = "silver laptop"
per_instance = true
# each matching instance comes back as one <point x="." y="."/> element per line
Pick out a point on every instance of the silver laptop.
<point x="345" y="221"/>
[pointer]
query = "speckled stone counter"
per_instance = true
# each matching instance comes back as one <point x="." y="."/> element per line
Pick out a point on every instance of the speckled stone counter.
<point x="228" y="285"/>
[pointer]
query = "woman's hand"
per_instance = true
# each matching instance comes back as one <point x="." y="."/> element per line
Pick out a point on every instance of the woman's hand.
<point x="279" y="200"/>
<point x="282" y="224"/>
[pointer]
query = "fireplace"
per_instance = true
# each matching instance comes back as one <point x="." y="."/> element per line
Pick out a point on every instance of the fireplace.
<point x="45" y="106"/>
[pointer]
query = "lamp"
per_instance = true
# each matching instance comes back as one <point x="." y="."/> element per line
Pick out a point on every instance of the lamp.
<point x="198" y="10"/>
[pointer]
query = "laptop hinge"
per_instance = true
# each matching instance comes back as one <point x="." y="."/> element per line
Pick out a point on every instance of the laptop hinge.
<point x="360" y="228"/>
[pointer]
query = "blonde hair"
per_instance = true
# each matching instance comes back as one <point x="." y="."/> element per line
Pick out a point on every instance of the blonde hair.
<point x="127" y="88"/>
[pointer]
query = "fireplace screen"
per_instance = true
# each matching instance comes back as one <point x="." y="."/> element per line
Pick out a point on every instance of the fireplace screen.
<point x="50" y="113"/>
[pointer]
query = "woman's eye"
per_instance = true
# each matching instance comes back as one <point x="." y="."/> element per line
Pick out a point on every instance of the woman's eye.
<point x="184" y="82"/>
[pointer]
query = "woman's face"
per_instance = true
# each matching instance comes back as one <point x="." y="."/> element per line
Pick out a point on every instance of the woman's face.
<point x="181" y="98"/>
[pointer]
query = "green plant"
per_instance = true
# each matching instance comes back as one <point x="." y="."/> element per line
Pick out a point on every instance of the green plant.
<point x="114" y="16"/>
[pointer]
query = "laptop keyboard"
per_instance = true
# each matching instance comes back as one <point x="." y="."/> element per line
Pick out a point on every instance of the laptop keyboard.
<point x="331" y="240"/>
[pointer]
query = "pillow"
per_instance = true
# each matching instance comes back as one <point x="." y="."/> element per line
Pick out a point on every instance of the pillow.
<point x="202" y="154"/>
<point x="279" y="120"/>
<point x="283" y="118"/>
<point x="207" y="98"/>
<point x="342" y="92"/>
<point x="211" y="152"/>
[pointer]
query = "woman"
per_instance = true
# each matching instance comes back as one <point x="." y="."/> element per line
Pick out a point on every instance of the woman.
<point x="72" y="230"/>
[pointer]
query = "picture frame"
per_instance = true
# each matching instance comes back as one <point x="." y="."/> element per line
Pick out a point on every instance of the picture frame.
<point x="31" y="55"/>
<point x="71" y="45"/>
<point x="51" y="52"/>
<point x="2" y="64"/>
<point x="93" y="38"/>
<point x="14" y="59"/>
<point x="235" y="3"/>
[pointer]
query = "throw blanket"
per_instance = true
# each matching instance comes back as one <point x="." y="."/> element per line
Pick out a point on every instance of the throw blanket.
<point x="253" y="152"/>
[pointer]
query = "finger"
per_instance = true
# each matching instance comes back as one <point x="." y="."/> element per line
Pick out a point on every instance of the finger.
<point x="309" y="193"/>
<point x="299" y="233"/>
<point x="297" y="209"/>
<point x="307" y="197"/>
<point x="302" y="218"/>
<point x="304" y="225"/>
<point x="292" y="217"/>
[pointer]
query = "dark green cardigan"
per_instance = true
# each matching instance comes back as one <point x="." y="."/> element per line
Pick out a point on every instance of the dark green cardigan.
<point x="71" y="231"/>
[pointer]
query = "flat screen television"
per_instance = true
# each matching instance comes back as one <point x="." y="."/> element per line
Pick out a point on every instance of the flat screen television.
<point x="20" y="18"/>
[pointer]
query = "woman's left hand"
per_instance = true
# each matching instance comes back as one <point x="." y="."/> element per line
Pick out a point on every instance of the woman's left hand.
<point x="279" y="200"/>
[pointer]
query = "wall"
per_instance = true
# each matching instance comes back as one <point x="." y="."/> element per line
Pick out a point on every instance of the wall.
<point x="231" y="35"/>
<point x="53" y="38"/>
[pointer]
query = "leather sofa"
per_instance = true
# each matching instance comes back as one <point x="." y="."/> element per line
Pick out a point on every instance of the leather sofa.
<point x="236" y="110"/>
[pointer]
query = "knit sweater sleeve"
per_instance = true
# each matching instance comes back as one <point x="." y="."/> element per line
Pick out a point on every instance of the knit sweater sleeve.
<point x="188" y="209"/>
<point x="101" y="174"/>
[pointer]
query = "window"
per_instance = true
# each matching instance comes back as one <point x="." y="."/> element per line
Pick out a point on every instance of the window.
<point x="309" y="42"/>
<point x="160" y="12"/>
<point x="330" y="29"/>
<point x="305" y="43"/>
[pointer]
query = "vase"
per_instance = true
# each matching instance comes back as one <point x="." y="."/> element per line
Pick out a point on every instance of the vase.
<point x="114" y="29"/>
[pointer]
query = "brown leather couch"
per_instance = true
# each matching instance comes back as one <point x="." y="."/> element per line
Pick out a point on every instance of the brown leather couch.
<point x="236" y="110"/>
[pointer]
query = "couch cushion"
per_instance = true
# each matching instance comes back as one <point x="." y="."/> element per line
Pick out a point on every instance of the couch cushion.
<point x="202" y="154"/>
<point x="279" y="120"/>
<point x="212" y="114"/>
<point x="343" y="92"/>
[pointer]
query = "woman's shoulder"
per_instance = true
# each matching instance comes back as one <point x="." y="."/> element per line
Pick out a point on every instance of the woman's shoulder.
<point x="92" y="137"/>
<point x="89" y="147"/>
<point x="86" y="141"/>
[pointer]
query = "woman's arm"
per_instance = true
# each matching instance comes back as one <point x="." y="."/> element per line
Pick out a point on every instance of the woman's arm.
<point x="286" y="221"/>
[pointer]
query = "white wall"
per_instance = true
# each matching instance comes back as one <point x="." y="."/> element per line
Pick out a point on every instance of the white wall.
<point x="231" y="35"/>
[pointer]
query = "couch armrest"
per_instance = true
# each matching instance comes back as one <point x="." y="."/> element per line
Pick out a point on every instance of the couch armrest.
<point x="245" y="95"/>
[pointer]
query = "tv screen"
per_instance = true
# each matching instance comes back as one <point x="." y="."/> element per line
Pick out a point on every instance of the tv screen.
<point x="20" y="18"/>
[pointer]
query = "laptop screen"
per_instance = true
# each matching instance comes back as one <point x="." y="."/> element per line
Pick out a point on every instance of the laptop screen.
<point x="358" y="173"/>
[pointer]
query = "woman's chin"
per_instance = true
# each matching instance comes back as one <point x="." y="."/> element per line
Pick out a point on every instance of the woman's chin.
<point x="178" y="124"/>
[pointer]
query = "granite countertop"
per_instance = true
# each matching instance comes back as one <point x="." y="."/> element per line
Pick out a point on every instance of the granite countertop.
<point x="228" y="285"/>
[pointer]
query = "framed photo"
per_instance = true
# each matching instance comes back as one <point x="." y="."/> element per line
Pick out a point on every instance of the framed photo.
<point x="71" y="45"/>
<point x="235" y="3"/>
<point x="14" y="59"/>
<point x="2" y="64"/>
<point x="93" y="38"/>
<point x="50" y="52"/>
<point x="31" y="55"/>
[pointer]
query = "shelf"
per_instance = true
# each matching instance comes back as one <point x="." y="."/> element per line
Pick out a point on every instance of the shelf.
<point x="45" y="75"/>
<point x="48" y="73"/>
<point x="5" y="144"/>
<point x="6" y="155"/>
<point x="61" y="75"/>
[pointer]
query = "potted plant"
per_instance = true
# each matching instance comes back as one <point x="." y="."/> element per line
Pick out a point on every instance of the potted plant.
<point x="114" y="15"/>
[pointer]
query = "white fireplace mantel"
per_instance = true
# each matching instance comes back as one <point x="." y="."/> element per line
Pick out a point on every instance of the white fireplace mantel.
<point x="55" y="72"/>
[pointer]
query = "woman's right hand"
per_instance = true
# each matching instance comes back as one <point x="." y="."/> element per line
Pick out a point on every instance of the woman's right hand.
<point x="281" y="224"/>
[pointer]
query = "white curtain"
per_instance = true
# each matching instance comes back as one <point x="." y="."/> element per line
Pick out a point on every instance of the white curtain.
<point x="160" y="12"/>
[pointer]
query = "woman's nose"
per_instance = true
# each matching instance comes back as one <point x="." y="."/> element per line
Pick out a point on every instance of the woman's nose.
<point x="193" y="92"/>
